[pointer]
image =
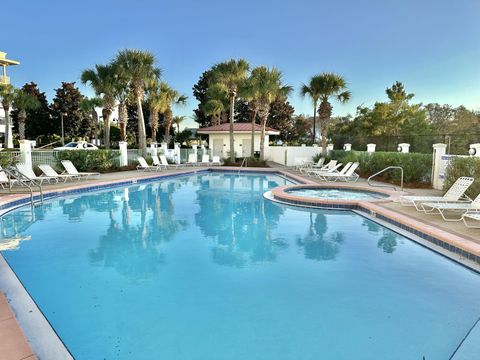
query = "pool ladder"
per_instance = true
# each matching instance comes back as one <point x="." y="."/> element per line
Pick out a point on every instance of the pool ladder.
<point x="244" y="162"/>
<point x="382" y="171"/>
<point x="24" y="182"/>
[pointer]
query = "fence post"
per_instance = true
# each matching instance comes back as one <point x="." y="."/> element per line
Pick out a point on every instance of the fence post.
<point x="474" y="150"/>
<point x="329" y="147"/>
<point x="439" y="151"/>
<point x="123" y="153"/>
<point x="347" y="147"/>
<point x="194" y="147"/>
<point x="177" y="153"/>
<point x="403" y="148"/>
<point x="26" y="152"/>
<point x="371" y="148"/>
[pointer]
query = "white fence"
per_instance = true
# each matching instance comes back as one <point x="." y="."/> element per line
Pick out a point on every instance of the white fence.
<point x="292" y="155"/>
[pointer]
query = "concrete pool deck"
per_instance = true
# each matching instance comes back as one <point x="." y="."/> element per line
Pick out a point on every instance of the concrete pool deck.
<point x="455" y="234"/>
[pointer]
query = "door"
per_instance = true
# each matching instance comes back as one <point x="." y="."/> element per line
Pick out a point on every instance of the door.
<point x="217" y="147"/>
<point x="246" y="147"/>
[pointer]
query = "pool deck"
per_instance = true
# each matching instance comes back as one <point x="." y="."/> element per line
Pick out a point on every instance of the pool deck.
<point x="14" y="345"/>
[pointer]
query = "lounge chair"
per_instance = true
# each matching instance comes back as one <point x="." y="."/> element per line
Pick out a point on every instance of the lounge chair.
<point x="216" y="160"/>
<point x="192" y="159"/>
<point x="5" y="180"/>
<point x="331" y="167"/>
<point x="47" y="170"/>
<point x="143" y="165"/>
<point x="301" y="163"/>
<point x="27" y="172"/>
<point x="442" y="208"/>
<point x="70" y="169"/>
<point x="308" y="166"/>
<point x="456" y="193"/>
<point x="346" y="174"/>
<point x="475" y="216"/>
<point x="165" y="164"/>
<point x="156" y="162"/>
<point x="205" y="160"/>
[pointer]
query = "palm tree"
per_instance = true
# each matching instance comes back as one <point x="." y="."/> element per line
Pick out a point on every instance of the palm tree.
<point x="122" y="95"/>
<point x="7" y="93"/>
<point x="217" y="103"/>
<point x="178" y="120"/>
<point x="23" y="101"/>
<point x="170" y="97"/>
<point x="329" y="85"/>
<point x="230" y="75"/>
<point x="88" y="105"/>
<point x="139" y="70"/>
<point x="102" y="80"/>
<point x="268" y="87"/>
<point x="250" y="93"/>
<point x="313" y="91"/>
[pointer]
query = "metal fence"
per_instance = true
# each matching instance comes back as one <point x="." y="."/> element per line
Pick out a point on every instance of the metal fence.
<point x="45" y="157"/>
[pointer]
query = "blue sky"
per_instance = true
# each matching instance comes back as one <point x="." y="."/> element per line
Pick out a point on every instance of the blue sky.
<point x="433" y="47"/>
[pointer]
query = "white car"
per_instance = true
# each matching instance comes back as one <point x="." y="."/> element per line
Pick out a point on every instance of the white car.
<point x="77" y="145"/>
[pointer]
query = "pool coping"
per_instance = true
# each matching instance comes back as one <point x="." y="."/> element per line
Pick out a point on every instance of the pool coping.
<point x="24" y="306"/>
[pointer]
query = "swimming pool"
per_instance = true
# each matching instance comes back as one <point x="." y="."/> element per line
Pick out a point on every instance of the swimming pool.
<point x="202" y="267"/>
<point x="336" y="193"/>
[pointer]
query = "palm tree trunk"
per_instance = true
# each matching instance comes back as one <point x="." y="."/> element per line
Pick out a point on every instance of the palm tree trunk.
<point x="21" y="124"/>
<point x="142" y="136"/>
<point x="254" y="116"/>
<point x="95" y="125"/>
<point x="106" y="128"/>
<point x="232" y="145"/>
<point x="123" y="118"/>
<point x="6" y="109"/>
<point x="262" y="138"/>
<point x="314" y="136"/>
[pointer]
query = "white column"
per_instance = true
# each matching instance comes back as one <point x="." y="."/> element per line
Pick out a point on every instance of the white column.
<point x="266" y="148"/>
<point x="404" y="148"/>
<point x="194" y="148"/>
<point x="329" y="147"/>
<point x="475" y="150"/>
<point x="176" y="151"/>
<point x="438" y="166"/>
<point x="371" y="148"/>
<point x="347" y="147"/>
<point x="26" y="152"/>
<point x="123" y="153"/>
<point x="153" y="150"/>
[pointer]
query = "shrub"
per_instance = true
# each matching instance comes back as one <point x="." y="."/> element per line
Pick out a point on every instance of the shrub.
<point x="91" y="160"/>
<point x="464" y="166"/>
<point x="417" y="167"/>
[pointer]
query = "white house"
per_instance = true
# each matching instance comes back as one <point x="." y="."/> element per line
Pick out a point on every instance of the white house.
<point x="219" y="138"/>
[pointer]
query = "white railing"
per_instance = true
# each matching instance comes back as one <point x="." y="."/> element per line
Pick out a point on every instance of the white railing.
<point x="45" y="157"/>
<point x="10" y="157"/>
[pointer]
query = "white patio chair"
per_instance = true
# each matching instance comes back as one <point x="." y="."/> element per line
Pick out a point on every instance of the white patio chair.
<point x="27" y="171"/>
<point x="192" y="159"/>
<point x="165" y="164"/>
<point x="47" y="170"/>
<point x="475" y="216"/>
<point x="456" y="193"/>
<point x="346" y="174"/>
<point x="216" y="160"/>
<point x="156" y="162"/>
<point x="4" y="180"/>
<point x="443" y="208"/>
<point x="308" y="166"/>
<point x="143" y="165"/>
<point x="70" y="169"/>
<point x="205" y="160"/>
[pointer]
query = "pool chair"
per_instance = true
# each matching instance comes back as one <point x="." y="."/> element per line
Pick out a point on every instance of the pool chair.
<point x="165" y="164"/>
<point x="5" y="180"/>
<point x="205" y="160"/>
<point x="334" y="171"/>
<point x="332" y="166"/>
<point x="301" y="162"/>
<point x="27" y="172"/>
<point x="47" y="170"/>
<point x="143" y="165"/>
<point x="346" y="174"/>
<point x="443" y="208"/>
<point x="308" y="166"/>
<point x="156" y="162"/>
<point x="192" y="160"/>
<point x="216" y="160"/>
<point x="456" y="193"/>
<point x="475" y="216"/>
<point x="70" y="169"/>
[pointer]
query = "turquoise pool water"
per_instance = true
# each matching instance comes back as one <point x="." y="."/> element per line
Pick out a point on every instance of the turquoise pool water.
<point x="337" y="194"/>
<point x="202" y="267"/>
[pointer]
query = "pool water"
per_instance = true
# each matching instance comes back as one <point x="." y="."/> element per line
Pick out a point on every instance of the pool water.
<point x="337" y="194"/>
<point x="202" y="267"/>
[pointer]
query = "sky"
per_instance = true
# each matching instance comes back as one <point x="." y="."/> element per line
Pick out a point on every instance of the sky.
<point x="433" y="47"/>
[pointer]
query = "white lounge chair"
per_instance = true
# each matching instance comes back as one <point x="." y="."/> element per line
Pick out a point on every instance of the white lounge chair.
<point x="301" y="162"/>
<point x="143" y="165"/>
<point x="456" y="193"/>
<point x="165" y="164"/>
<point x="47" y="170"/>
<point x="70" y="169"/>
<point x="156" y="162"/>
<point x="205" y="160"/>
<point x="308" y="166"/>
<point x="216" y="160"/>
<point x="443" y="208"/>
<point x="346" y="174"/>
<point x="475" y="216"/>
<point x="27" y="172"/>
<point x="192" y="160"/>
<point x="331" y="167"/>
<point x="4" y="179"/>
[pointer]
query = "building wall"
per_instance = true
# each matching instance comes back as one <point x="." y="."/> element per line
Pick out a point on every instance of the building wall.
<point x="238" y="143"/>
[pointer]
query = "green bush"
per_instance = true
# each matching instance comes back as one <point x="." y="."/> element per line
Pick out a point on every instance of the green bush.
<point x="91" y="160"/>
<point x="464" y="166"/>
<point x="417" y="167"/>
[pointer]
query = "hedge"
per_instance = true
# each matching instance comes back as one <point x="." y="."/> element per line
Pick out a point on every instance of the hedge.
<point x="91" y="160"/>
<point x="417" y="168"/>
<point x="464" y="166"/>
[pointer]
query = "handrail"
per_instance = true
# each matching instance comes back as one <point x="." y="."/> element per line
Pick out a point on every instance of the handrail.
<point x="25" y="182"/>
<point x="244" y="162"/>
<point x="382" y="171"/>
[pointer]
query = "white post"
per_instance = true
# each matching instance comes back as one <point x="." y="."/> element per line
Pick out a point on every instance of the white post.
<point x="438" y="165"/>
<point x="153" y="150"/>
<point x="176" y="151"/>
<point x="404" y="148"/>
<point x="329" y="147"/>
<point x="347" y="147"/>
<point x="26" y="152"/>
<point x="475" y="150"/>
<point x="371" y="148"/>
<point x="123" y="153"/>
<point x="195" y="151"/>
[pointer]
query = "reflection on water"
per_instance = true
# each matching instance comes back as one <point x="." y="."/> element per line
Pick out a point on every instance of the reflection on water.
<point x="387" y="239"/>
